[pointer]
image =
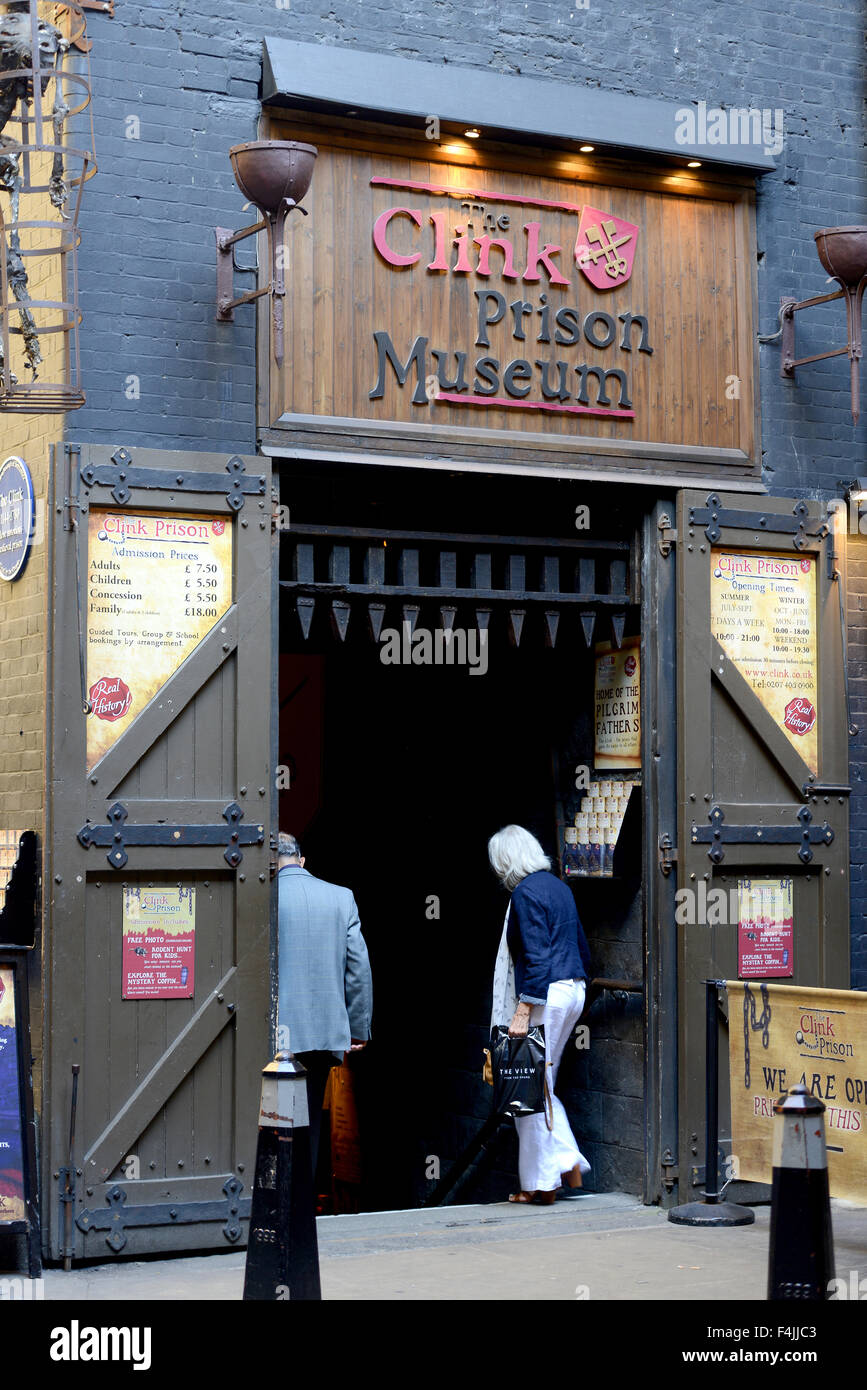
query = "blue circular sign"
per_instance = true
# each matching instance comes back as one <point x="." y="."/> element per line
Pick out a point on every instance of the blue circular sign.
<point x="17" y="515"/>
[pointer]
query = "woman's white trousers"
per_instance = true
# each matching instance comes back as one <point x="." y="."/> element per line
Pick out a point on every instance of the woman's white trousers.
<point x="544" y="1154"/>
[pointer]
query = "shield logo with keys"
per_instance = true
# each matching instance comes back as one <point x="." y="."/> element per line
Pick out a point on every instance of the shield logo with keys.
<point x="605" y="248"/>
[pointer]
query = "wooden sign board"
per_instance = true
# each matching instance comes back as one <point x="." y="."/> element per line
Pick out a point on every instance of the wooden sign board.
<point x="521" y="304"/>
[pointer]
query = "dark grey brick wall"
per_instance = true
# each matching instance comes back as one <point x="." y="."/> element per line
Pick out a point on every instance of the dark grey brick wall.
<point x="189" y="74"/>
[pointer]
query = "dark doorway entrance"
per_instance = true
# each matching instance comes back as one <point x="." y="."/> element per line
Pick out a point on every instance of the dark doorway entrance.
<point x="420" y="765"/>
<point x="399" y="774"/>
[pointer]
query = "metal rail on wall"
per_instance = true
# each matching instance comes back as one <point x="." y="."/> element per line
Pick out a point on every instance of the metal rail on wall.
<point x="40" y="94"/>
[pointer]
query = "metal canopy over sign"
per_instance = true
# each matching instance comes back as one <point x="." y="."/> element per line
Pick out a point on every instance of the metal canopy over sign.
<point x="17" y="516"/>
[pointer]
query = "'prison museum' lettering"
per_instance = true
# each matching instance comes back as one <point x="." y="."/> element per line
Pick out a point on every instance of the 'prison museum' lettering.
<point x="426" y="295"/>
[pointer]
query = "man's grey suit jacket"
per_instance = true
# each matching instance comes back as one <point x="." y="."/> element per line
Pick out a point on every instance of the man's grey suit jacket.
<point x="325" y="991"/>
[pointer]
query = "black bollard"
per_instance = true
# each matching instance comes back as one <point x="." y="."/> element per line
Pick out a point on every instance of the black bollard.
<point x="801" y="1254"/>
<point x="282" y="1253"/>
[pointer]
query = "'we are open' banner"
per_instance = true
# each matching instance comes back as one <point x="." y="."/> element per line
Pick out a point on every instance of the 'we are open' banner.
<point x="780" y="1035"/>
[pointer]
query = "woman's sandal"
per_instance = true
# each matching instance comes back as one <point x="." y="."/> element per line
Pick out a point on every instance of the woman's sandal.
<point x="542" y="1199"/>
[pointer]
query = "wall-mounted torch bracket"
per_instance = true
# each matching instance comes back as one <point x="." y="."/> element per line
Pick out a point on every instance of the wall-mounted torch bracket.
<point x="274" y="225"/>
<point x="853" y="296"/>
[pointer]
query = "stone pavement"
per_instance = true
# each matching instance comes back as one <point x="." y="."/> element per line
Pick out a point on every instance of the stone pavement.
<point x="598" y="1246"/>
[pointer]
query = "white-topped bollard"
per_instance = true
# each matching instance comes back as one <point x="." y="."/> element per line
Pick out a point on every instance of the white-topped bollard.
<point x="801" y="1253"/>
<point x="282" y="1251"/>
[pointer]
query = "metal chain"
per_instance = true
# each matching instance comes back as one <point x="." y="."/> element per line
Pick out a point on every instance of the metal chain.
<point x="761" y="1024"/>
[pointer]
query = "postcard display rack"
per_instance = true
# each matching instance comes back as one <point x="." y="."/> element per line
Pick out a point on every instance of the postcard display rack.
<point x="588" y="846"/>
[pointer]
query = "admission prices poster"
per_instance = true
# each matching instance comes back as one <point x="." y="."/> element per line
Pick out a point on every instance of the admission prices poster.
<point x="763" y="614"/>
<point x="12" y="1205"/>
<point x="159" y="942"/>
<point x="157" y="583"/>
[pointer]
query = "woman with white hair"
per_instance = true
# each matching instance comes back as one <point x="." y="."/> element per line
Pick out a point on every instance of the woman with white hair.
<point x="540" y="977"/>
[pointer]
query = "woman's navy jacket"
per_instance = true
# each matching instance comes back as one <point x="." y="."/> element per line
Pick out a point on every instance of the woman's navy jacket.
<point x="546" y="939"/>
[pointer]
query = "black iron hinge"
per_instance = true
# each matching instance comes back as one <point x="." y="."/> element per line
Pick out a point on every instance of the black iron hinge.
<point x="118" y="836"/>
<point x="668" y="1164"/>
<point x="117" y="1216"/>
<point x="800" y="526"/>
<point x="805" y="834"/>
<point x="666" y="854"/>
<point x="667" y="535"/>
<point x="122" y="475"/>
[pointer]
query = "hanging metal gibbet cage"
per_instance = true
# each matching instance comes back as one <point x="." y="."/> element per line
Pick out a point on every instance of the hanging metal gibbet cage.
<point x="42" y="177"/>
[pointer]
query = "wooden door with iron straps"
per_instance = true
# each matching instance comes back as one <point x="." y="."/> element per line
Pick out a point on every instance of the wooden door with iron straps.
<point x="157" y="959"/>
<point x="763" y="784"/>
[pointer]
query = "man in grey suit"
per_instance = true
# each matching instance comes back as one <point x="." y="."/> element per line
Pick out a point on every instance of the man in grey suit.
<point x="325" y="991"/>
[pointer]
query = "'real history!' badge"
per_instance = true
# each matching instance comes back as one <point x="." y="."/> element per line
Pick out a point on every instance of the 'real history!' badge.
<point x="605" y="248"/>
<point x="110" y="698"/>
<point x="799" y="715"/>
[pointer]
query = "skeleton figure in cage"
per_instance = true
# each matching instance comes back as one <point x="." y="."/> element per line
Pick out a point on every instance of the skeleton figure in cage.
<point x="16" y="86"/>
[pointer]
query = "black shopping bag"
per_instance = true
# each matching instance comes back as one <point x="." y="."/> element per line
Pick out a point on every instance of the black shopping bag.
<point x="519" y="1071"/>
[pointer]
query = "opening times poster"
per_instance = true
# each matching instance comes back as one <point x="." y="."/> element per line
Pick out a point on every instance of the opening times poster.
<point x="763" y="614"/>
<point x="157" y="583"/>
<point x="159" y="942"/>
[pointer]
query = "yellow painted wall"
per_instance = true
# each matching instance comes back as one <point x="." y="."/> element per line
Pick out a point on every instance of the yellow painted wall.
<point x="24" y="602"/>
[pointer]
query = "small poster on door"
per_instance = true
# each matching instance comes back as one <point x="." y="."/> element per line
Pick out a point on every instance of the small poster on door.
<point x="765" y="928"/>
<point x="617" y="740"/>
<point x="159" y="942"/>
